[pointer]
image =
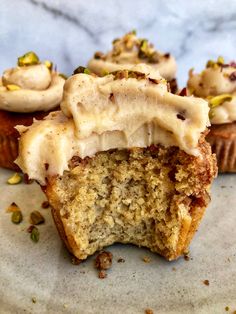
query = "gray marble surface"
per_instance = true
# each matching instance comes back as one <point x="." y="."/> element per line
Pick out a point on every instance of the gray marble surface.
<point x="69" y="31"/>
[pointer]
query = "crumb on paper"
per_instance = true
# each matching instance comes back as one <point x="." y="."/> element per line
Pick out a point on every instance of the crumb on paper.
<point x="33" y="299"/>
<point x="75" y="260"/>
<point x="65" y="305"/>
<point x="120" y="260"/>
<point x="206" y="282"/>
<point x="45" y="204"/>
<point x="227" y="308"/>
<point x="103" y="260"/>
<point x="146" y="259"/>
<point x="173" y="268"/>
<point x="149" y="311"/>
<point x="186" y="257"/>
<point x="102" y="274"/>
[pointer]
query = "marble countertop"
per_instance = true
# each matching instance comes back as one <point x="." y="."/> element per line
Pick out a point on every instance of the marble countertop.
<point x="69" y="32"/>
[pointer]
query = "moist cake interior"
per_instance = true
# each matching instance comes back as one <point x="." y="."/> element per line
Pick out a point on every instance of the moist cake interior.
<point x="152" y="197"/>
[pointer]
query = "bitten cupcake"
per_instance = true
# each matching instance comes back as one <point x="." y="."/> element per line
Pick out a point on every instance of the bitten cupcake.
<point x="130" y="50"/>
<point x="217" y="84"/>
<point x="30" y="90"/>
<point x="124" y="161"/>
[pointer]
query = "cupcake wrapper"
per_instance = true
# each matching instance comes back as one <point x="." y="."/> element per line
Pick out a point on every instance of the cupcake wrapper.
<point x="225" y="150"/>
<point x="8" y="152"/>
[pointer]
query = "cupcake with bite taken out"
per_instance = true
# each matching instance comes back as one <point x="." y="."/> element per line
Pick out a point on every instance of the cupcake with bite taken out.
<point x="217" y="84"/>
<point x="123" y="161"/>
<point x="130" y="50"/>
<point x="30" y="90"/>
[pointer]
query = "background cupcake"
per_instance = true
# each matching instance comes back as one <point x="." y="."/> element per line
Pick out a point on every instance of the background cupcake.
<point x="130" y="50"/>
<point x="28" y="91"/>
<point x="217" y="84"/>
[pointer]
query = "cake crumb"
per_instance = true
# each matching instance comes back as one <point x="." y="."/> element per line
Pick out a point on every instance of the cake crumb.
<point x="173" y="268"/>
<point x="149" y="311"/>
<point x="186" y="257"/>
<point x="103" y="260"/>
<point x="45" y="204"/>
<point x="206" y="282"/>
<point x="75" y="260"/>
<point x="65" y="305"/>
<point x="227" y="308"/>
<point x="33" y="299"/>
<point x="146" y="259"/>
<point x="102" y="274"/>
<point x="120" y="260"/>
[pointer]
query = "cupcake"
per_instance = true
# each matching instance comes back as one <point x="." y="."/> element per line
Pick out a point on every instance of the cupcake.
<point x="130" y="50"/>
<point x="30" y="90"/>
<point x="217" y="84"/>
<point x="124" y="161"/>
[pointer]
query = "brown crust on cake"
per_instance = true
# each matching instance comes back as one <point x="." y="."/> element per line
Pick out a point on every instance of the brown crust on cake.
<point x="203" y="169"/>
<point x="222" y="138"/>
<point x="9" y="135"/>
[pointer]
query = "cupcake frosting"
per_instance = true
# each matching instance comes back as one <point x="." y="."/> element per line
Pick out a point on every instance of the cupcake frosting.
<point x="217" y="84"/>
<point x="130" y="50"/>
<point x="30" y="88"/>
<point x="125" y="109"/>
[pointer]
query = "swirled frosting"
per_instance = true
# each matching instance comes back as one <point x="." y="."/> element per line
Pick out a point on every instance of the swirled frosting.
<point x="130" y="50"/>
<point x="122" y="110"/>
<point x="217" y="79"/>
<point x="38" y="89"/>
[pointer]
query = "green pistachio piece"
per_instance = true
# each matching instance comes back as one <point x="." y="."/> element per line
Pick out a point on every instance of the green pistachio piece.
<point x="12" y="87"/>
<point x="15" y="179"/>
<point x="16" y="217"/>
<point x="63" y="76"/>
<point x="36" y="218"/>
<point x="210" y="64"/>
<point x="48" y="64"/>
<point x="34" y="234"/>
<point x="81" y="69"/>
<point x="220" y="60"/>
<point x="143" y="49"/>
<point x="219" y="100"/>
<point x="30" y="58"/>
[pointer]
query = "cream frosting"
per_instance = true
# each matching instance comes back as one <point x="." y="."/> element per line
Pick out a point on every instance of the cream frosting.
<point x="212" y="81"/>
<point x="39" y="89"/>
<point x="102" y="113"/>
<point x="126" y="53"/>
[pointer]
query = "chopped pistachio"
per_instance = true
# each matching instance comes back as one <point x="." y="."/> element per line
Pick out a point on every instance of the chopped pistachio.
<point x="219" y="100"/>
<point x="34" y="234"/>
<point x="63" y="76"/>
<point x="125" y="74"/>
<point x="16" y="217"/>
<point x="12" y="208"/>
<point x="154" y="57"/>
<point x="15" y="179"/>
<point x="99" y="55"/>
<point x="134" y="32"/>
<point x="105" y="72"/>
<point x="36" y="218"/>
<point x="220" y="60"/>
<point x="48" y="64"/>
<point x="30" y="58"/>
<point x="12" y="87"/>
<point x="81" y="69"/>
<point x="210" y="64"/>
<point x="143" y="49"/>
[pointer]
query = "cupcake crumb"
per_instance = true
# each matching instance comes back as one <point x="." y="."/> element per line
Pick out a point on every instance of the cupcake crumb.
<point x="206" y="282"/>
